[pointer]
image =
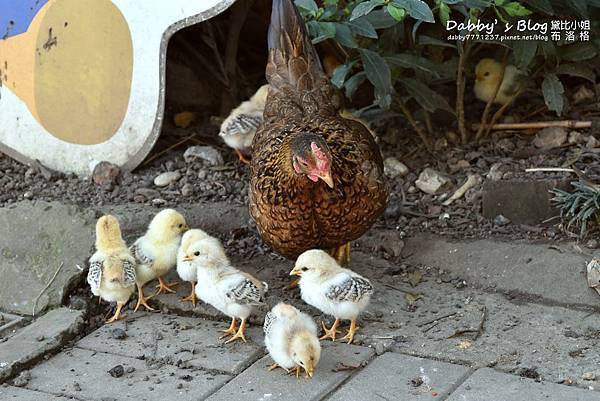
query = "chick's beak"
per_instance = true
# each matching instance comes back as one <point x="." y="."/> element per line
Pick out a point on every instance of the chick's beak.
<point x="187" y="259"/>
<point x="296" y="272"/>
<point x="185" y="228"/>
<point x="327" y="179"/>
<point x="310" y="370"/>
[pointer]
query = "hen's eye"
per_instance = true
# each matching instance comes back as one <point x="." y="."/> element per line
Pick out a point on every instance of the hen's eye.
<point x="197" y="253"/>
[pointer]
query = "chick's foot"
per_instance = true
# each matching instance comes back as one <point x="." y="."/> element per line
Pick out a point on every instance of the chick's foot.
<point x="164" y="287"/>
<point x="331" y="332"/>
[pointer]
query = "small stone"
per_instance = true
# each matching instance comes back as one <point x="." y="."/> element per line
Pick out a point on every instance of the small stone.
<point x="379" y="348"/>
<point x="130" y="369"/>
<point x="576" y="137"/>
<point x="158" y="202"/>
<point x="158" y="336"/>
<point x="411" y="189"/>
<point x="432" y="182"/>
<point x="23" y="379"/>
<point x="416" y="381"/>
<point x="582" y="94"/>
<point x="117" y="371"/>
<point x="393" y="168"/>
<point x="76" y="386"/>
<point x="179" y="386"/>
<point x="589" y="376"/>
<point x="206" y="153"/>
<point x="28" y="195"/>
<point x="551" y="137"/>
<point x="501" y="220"/>
<point x="40" y="338"/>
<point x="592" y="142"/>
<point x="148" y="193"/>
<point x="592" y="244"/>
<point x="495" y="173"/>
<point x="118" y="334"/>
<point x="187" y="190"/>
<point x="157" y="381"/>
<point x="105" y="173"/>
<point x="165" y="179"/>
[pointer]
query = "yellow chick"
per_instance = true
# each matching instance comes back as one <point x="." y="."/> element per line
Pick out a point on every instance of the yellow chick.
<point x="487" y="75"/>
<point x="187" y="270"/>
<point x="112" y="267"/>
<point x="156" y="252"/>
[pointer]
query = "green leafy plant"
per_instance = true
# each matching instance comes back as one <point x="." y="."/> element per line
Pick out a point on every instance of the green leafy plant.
<point x="579" y="207"/>
<point x="401" y="49"/>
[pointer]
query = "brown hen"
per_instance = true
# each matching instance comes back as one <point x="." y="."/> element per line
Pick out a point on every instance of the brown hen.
<point x="316" y="178"/>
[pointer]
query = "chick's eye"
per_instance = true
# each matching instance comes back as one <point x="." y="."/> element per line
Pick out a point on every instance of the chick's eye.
<point x="181" y="225"/>
<point x="486" y="74"/>
<point x="197" y="253"/>
<point x="304" y="269"/>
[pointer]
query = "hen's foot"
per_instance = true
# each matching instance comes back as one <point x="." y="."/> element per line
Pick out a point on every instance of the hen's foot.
<point x="117" y="315"/>
<point x="239" y="334"/>
<point x="330" y="333"/>
<point x="164" y="287"/>
<point x="192" y="297"/>
<point x="351" y="331"/>
<point x="142" y="300"/>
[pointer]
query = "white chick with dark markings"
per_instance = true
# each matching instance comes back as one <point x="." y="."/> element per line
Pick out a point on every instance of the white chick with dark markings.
<point x="332" y="289"/>
<point x="187" y="270"/>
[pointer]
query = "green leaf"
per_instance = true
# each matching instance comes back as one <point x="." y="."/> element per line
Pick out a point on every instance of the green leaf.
<point x="543" y="6"/>
<point x="378" y="73"/>
<point x="425" y="40"/>
<point x="417" y="9"/>
<point x="480" y="4"/>
<point x="365" y="8"/>
<point x="444" y="13"/>
<point x="308" y="5"/>
<point x="397" y="13"/>
<point x="524" y="51"/>
<point x="515" y="9"/>
<point x="427" y="98"/>
<point x="451" y="1"/>
<point x="344" y="36"/>
<point x="553" y="91"/>
<point x="339" y="74"/>
<point x="579" y="70"/>
<point x="353" y="83"/>
<point x="326" y="31"/>
<point x="362" y="27"/>
<point x="413" y="62"/>
<point x="577" y="52"/>
<point x="380" y="19"/>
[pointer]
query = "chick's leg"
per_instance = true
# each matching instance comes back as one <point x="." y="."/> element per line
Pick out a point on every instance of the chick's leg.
<point x="351" y="331"/>
<point x="231" y="330"/>
<point x="164" y="287"/>
<point x="330" y="333"/>
<point x="192" y="296"/>
<point x="241" y="157"/>
<point x="275" y="366"/>
<point x="142" y="299"/>
<point x="239" y="334"/>
<point x="117" y="315"/>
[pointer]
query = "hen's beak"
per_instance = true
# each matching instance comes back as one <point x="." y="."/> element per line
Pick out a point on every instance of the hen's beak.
<point x="296" y="271"/>
<point x="187" y="259"/>
<point x="327" y="179"/>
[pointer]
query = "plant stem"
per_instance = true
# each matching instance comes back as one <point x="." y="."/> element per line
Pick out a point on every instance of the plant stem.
<point x="416" y="127"/>
<point x="460" y="92"/>
<point x="488" y="106"/>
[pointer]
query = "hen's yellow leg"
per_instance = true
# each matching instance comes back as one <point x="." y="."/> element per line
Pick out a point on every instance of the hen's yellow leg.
<point x="192" y="297"/>
<point x="351" y="331"/>
<point x="241" y="157"/>
<point x="164" y="287"/>
<point x="239" y="334"/>
<point x="330" y="333"/>
<point x="231" y="330"/>
<point x="117" y="315"/>
<point x="342" y="254"/>
<point x="142" y="299"/>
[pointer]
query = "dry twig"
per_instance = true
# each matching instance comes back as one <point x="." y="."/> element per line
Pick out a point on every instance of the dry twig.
<point x="490" y="102"/>
<point x="416" y="127"/>
<point x="35" y="302"/>
<point x="539" y="125"/>
<point x="460" y="92"/>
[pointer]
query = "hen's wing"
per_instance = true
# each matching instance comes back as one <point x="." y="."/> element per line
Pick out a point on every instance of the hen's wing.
<point x="246" y="293"/>
<point x="128" y="273"/>
<point x="353" y="289"/>
<point x="141" y="255"/>
<point x="94" y="276"/>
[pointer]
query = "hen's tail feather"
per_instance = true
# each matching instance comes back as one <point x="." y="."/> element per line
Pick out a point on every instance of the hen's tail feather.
<point x="294" y="69"/>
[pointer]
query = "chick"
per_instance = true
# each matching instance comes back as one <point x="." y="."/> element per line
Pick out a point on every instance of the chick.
<point x="291" y="339"/>
<point x="332" y="289"/>
<point x="229" y="290"/>
<point x="487" y="75"/>
<point x="112" y="268"/>
<point x="185" y="268"/>
<point x="239" y="127"/>
<point x="156" y="251"/>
